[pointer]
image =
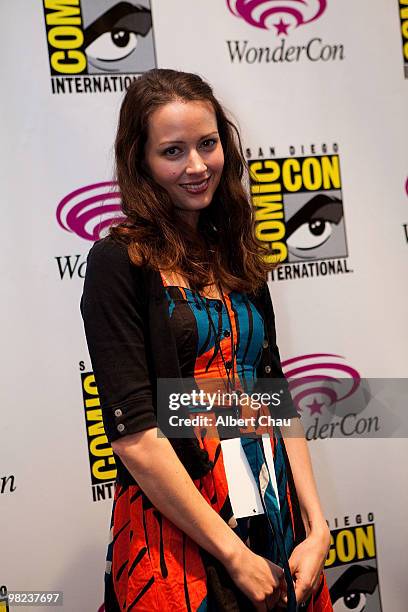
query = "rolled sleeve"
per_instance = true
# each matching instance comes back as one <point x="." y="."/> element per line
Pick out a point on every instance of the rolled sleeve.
<point x="113" y="314"/>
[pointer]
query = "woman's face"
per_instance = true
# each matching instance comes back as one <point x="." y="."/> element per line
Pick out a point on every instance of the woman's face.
<point x="184" y="154"/>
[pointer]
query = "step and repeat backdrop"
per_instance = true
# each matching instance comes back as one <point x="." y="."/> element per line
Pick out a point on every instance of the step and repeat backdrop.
<point x="319" y="91"/>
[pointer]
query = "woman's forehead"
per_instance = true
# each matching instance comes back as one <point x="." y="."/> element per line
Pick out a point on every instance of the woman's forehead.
<point x="176" y="119"/>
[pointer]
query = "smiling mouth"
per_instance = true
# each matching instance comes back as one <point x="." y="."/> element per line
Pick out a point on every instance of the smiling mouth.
<point x="196" y="187"/>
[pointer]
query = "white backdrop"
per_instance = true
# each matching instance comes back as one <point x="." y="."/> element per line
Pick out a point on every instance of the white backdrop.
<point x="353" y="102"/>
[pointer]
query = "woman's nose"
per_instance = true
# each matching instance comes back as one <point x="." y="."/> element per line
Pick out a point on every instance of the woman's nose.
<point x="195" y="163"/>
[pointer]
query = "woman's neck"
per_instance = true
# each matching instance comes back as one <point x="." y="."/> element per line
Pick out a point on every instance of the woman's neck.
<point x="190" y="217"/>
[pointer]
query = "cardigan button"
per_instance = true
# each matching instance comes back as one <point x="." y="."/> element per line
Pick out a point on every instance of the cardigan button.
<point x="120" y="427"/>
<point x="268" y="369"/>
<point x="265" y="343"/>
<point x="227" y="333"/>
<point x="118" y="412"/>
<point x="218" y="306"/>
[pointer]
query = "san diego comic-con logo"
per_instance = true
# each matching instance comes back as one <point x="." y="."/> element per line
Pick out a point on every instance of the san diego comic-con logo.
<point x="351" y="566"/>
<point x="98" y="45"/>
<point x="86" y="212"/>
<point x="280" y="18"/>
<point x="102" y="464"/>
<point x="403" y="10"/>
<point x="299" y="213"/>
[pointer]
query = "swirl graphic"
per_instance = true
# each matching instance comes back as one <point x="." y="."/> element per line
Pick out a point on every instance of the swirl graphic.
<point x="318" y="380"/>
<point x="85" y="213"/>
<point x="263" y="13"/>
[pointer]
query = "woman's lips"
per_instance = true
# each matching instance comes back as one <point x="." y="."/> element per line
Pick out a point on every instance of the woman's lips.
<point x="197" y="187"/>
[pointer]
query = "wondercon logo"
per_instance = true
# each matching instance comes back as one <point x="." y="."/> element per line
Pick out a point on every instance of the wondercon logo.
<point x="320" y="381"/>
<point x="336" y="402"/>
<point x="279" y="14"/>
<point x="89" y="210"/>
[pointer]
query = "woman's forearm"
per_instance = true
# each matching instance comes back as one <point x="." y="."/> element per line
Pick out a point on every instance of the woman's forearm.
<point x="157" y="469"/>
<point x="301" y="466"/>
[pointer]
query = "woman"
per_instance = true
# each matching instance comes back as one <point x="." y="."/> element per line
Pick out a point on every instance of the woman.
<point x="178" y="290"/>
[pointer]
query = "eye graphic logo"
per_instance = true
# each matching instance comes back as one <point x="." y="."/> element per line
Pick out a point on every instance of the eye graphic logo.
<point x="279" y="14"/>
<point x="117" y="39"/>
<point x="98" y="37"/>
<point x="320" y="381"/>
<point x="356" y="588"/>
<point x="88" y="211"/>
<point x="315" y="223"/>
<point x="299" y="208"/>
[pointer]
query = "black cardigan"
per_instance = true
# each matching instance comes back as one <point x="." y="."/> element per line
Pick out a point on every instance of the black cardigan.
<point x="131" y="344"/>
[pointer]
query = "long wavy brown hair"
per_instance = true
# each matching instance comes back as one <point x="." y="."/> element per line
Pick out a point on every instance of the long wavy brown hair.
<point x="224" y="246"/>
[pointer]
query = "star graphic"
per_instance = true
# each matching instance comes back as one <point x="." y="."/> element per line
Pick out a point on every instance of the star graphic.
<point x="315" y="407"/>
<point x="282" y="27"/>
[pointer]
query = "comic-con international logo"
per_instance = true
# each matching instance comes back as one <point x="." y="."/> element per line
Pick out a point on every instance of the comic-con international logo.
<point x="351" y="567"/>
<point x="98" y="45"/>
<point x="403" y="8"/>
<point x="101" y="460"/>
<point x="299" y="214"/>
<point x="86" y="212"/>
<point x="281" y="18"/>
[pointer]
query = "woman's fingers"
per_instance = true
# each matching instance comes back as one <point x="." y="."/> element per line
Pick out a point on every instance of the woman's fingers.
<point x="303" y="590"/>
<point x="272" y="599"/>
<point x="258" y="578"/>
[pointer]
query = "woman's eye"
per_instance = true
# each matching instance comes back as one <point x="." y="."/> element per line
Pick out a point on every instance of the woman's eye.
<point x="210" y="142"/>
<point x="171" y="151"/>
<point x="112" y="46"/>
<point x="311" y="235"/>
<point x="351" y="601"/>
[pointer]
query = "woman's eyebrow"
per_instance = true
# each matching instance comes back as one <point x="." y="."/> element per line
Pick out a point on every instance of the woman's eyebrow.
<point x="171" y="142"/>
<point x="183" y="142"/>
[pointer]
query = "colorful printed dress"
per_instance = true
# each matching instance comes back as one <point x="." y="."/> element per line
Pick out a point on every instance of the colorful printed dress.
<point x="151" y="564"/>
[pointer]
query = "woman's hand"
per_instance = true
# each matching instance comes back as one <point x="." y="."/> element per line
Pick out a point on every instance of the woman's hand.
<point x="260" y="580"/>
<point x="306" y="564"/>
